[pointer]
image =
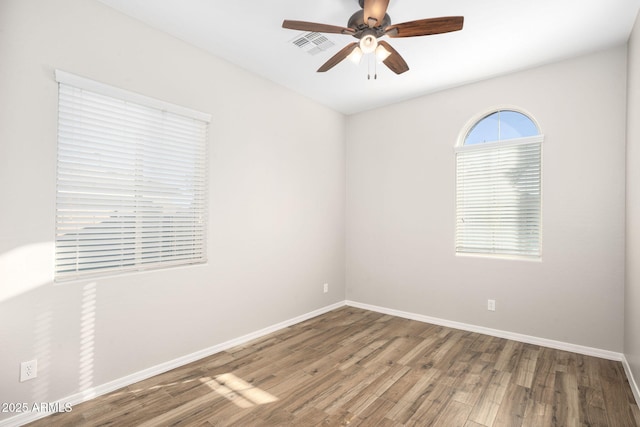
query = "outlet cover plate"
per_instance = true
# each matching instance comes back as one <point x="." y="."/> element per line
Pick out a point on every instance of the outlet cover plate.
<point x="28" y="370"/>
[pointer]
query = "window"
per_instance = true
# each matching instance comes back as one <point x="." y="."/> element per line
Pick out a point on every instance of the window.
<point x="499" y="187"/>
<point x="131" y="182"/>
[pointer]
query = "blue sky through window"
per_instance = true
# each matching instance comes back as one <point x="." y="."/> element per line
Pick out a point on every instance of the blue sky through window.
<point x="501" y="125"/>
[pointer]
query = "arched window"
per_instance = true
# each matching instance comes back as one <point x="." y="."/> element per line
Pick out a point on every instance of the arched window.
<point x="498" y="186"/>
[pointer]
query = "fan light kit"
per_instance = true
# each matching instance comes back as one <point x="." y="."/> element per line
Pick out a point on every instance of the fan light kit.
<point x="369" y="25"/>
<point x="368" y="43"/>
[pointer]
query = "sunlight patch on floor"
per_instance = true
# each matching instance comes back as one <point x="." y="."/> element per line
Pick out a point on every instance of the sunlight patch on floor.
<point x="238" y="391"/>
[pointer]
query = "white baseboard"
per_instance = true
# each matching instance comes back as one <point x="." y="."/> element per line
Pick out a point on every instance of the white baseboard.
<point x="632" y="380"/>
<point x="559" y="345"/>
<point x="114" y="385"/>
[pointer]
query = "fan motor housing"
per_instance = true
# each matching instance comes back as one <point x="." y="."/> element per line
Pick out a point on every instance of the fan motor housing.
<point x="357" y="23"/>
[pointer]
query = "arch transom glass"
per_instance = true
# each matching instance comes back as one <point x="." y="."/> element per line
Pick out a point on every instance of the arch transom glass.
<point x="501" y="125"/>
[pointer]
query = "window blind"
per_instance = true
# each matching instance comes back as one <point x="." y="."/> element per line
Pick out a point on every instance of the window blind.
<point x="499" y="198"/>
<point x="131" y="182"/>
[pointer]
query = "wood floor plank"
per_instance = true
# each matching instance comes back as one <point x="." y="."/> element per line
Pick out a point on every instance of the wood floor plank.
<point x="356" y="386"/>
<point x="438" y="398"/>
<point x="537" y="414"/>
<point x="469" y="389"/>
<point x="512" y="409"/>
<point x="455" y="414"/>
<point x="401" y="388"/>
<point x="543" y="383"/>
<point x="636" y="413"/>
<point x="592" y="408"/>
<point x="526" y="367"/>
<point x="418" y="350"/>
<point x="509" y="356"/>
<point x="353" y="367"/>
<point x="617" y="402"/>
<point x="486" y="409"/>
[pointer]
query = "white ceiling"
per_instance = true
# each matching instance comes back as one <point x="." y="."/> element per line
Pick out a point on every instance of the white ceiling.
<point x="499" y="36"/>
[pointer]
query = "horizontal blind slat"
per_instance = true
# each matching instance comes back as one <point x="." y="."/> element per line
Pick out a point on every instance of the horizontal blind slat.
<point x="131" y="186"/>
<point x="498" y="199"/>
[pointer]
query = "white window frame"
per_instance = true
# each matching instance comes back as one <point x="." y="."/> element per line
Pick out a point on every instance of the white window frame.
<point x="131" y="192"/>
<point x="491" y="237"/>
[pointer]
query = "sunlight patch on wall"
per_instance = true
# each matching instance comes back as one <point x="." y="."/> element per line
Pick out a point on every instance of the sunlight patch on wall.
<point x="25" y="268"/>
<point x="238" y="391"/>
<point x="42" y="350"/>
<point x="87" y="335"/>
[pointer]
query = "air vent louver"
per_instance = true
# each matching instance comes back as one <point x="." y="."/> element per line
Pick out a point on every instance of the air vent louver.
<point x="313" y="43"/>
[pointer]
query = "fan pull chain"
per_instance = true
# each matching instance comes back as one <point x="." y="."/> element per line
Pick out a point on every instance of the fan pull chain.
<point x="375" y="68"/>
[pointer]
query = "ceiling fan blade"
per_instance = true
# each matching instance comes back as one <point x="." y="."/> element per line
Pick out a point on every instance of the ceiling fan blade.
<point x="374" y="11"/>
<point x="425" y="27"/>
<point x="338" y="57"/>
<point x="313" y="27"/>
<point x="394" y="61"/>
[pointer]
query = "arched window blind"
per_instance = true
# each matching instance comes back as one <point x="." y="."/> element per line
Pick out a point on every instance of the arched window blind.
<point x="499" y="185"/>
<point x="131" y="181"/>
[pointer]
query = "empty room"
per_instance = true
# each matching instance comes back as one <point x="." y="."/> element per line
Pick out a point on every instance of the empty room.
<point x="347" y="212"/>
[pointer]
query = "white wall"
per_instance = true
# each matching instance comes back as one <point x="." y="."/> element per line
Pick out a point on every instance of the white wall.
<point x="401" y="206"/>
<point x="632" y="294"/>
<point x="276" y="223"/>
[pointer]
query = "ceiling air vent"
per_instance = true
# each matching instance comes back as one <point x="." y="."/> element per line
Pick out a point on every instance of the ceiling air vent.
<point x="313" y="43"/>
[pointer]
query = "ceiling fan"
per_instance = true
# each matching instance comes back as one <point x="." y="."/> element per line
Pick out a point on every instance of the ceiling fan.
<point x="371" y="23"/>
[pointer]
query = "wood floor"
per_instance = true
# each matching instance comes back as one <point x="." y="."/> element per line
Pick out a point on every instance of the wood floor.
<point x="359" y="368"/>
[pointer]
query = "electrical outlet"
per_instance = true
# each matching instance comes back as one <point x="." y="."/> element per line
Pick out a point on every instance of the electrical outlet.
<point x="326" y="288"/>
<point x="28" y="370"/>
<point x="491" y="305"/>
